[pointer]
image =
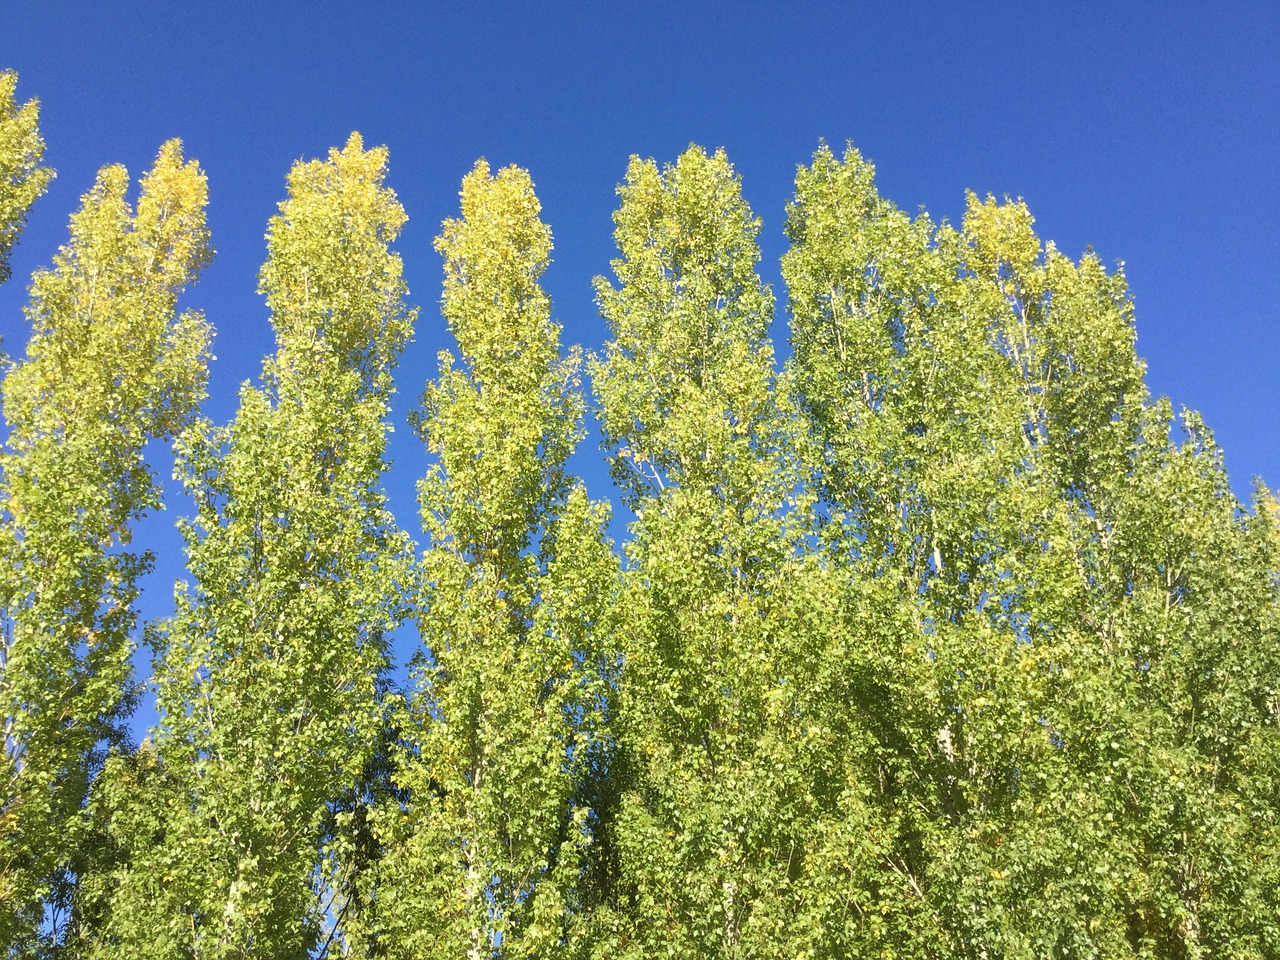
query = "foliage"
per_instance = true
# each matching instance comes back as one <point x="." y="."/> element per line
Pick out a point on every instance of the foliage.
<point x="110" y="366"/>
<point x="270" y="673"/>
<point x="940" y="638"/>
<point x="1069" y="757"/>
<point x="22" y="178"/>
<point x="729" y="713"/>
<point x="504" y="722"/>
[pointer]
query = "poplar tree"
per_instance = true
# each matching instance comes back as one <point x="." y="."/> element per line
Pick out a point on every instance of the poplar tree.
<point x="986" y="448"/>
<point x="22" y="177"/>
<point x="723" y="614"/>
<point x="503" y="727"/>
<point x="237" y="827"/>
<point x="109" y="367"/>
<point x="918" y="452"/>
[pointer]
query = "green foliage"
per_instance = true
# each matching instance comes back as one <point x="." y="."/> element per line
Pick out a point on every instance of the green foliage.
<point x="1082" y="706"/>
<point x="721" y="636"/>
<point x="942" y="640"/>
<point x="501" y="730"/>
<point x="269" y="675"/>
<point x="109" y="367"/>
<point x="22" y="178"/>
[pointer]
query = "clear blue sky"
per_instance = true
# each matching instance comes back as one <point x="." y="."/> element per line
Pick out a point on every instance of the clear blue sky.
<point x="1149" y="131"/>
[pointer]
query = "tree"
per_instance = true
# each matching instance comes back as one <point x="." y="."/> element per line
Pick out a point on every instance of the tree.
<point x="109" y="367"/>
<point x="22" y="178"/>
<point x="236" y="829"/>
<point x="503" y="724"/>
<point x="722" y="632"/>
<point x="986" y="448"/>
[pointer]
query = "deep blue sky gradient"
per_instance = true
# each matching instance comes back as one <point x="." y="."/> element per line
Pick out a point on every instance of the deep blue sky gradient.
<point x="1149" y="131"/>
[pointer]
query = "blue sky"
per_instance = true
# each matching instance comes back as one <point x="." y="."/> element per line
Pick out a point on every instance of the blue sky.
<point x="1149" y="131"/>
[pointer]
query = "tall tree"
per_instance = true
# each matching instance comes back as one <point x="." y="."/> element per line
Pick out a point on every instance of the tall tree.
<point x="722" y="614"/>
<point x="234" y="829"/>
<point x="22" y="177"/>
<point x="109" y="367"/>
<point x="502" y="729"/>
<point x="986" y="449"/>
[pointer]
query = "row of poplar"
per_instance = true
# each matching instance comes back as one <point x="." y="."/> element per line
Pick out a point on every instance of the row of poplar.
<point x="940" y="639"/>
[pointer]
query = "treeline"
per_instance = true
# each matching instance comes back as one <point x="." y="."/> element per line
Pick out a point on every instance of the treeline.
<point x="940" y="639"/>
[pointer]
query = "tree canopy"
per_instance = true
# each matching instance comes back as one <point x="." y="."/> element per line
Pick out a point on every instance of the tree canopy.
<point x="932" y="634"/>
